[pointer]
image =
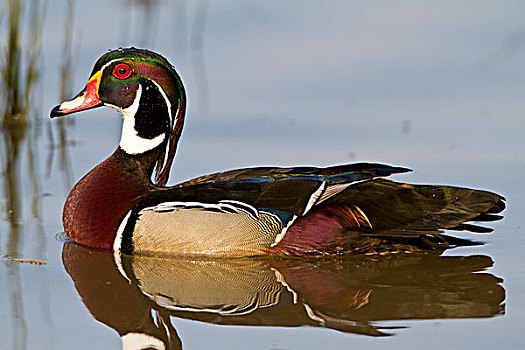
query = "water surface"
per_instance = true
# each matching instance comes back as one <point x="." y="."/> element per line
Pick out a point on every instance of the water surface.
<point x="434" y="87"/>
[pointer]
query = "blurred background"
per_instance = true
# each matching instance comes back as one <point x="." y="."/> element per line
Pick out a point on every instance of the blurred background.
<point x="434" y="86"/>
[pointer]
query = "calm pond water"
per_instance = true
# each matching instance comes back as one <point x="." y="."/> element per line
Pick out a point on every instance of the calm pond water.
<point x="437" y="87"/>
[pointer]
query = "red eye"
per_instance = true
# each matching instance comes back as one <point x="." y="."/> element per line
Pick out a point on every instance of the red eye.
<point x="122" y="71"/>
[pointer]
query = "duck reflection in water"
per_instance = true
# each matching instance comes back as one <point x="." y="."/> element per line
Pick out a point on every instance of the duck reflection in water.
<point x="137" y="295"/>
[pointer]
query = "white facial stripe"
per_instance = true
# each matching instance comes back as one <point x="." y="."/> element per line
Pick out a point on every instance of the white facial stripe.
<point x="109" y="63"/>
<point x="130" y="141"/>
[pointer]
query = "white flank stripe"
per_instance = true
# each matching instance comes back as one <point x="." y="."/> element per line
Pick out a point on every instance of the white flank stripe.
<point x="281" y="235"/>
<point x="314" y="197"/>
<point x="117" y="256"/>
<point x="130" y="141"/>
<point x="118" y="239"/>
<point x="233" y="205"/>
<point x="243" y="206"/>
<point x="168" y="206"/>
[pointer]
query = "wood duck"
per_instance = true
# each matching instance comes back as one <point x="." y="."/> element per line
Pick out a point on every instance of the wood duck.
<point x="123" y="204"/>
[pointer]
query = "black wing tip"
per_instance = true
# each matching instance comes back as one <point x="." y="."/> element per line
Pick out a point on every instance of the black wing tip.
<point x="473" y="228"/>
<point x="498" y="207"/>
<point x="398" y="169"/>
<point x="386" y="170"/>
<point x="391" y="169"/>
<point x="454" y="241"/>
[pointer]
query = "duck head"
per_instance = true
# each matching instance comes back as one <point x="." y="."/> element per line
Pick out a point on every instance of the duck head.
<point x="145" y="88"/>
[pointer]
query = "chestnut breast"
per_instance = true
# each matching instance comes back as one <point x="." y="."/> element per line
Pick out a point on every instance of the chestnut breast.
<point x="100" y="200"/>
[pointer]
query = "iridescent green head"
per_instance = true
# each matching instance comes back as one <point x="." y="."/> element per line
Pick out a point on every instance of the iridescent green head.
<point x="148" y="92"/>
<point x="123" y="69"/>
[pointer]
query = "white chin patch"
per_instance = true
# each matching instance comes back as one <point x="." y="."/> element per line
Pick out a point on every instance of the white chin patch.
<point x="130" y="141"/>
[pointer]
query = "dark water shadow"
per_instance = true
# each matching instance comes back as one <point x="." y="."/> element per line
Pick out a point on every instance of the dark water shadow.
<point x="137" y="296"/>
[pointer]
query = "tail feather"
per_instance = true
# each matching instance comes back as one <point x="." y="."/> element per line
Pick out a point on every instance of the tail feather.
<point x="385" y="216"/>
<point x="472" y="228"/>
<point x="486" y="217"/>
<point x="392" y="205"/>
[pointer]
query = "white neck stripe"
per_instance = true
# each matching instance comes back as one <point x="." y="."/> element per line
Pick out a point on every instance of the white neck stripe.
<point x="130" y="141"/>
<point x="168" y="104"/>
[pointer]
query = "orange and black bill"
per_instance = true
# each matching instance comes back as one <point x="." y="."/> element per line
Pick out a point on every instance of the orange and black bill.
<point x="87" y="98"/>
